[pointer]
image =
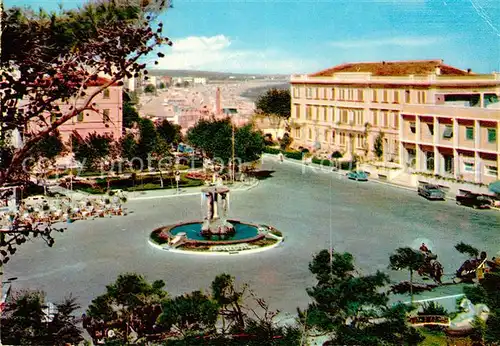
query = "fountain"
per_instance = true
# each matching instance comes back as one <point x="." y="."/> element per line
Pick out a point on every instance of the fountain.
<point x="215" y="223"/>
<point x="215" y="233"/>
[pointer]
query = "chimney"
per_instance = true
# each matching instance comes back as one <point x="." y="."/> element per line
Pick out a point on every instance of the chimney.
<point x="217" y="102"/>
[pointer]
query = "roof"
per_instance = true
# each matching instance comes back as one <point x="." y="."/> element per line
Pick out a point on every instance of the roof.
<point x="394" y="68"/>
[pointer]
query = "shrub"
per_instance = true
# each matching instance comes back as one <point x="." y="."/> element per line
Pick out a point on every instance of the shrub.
<point x="296" y="155"/>
<point x="274" y="151"/>
<point x="323" y="162"/>
<point x="433" y="308"/>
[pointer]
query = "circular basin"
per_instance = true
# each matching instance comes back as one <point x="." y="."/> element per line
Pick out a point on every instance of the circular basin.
<point x="193" y="232"/>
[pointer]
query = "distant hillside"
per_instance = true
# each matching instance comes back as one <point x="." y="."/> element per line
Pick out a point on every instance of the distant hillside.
<point x="217" y="75"/>
<point x="254" y="93"/>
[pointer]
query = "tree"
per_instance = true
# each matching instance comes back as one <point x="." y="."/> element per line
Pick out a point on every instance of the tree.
<point x="285" y="141"/>
<point x="131" y="303"/>
<point x="378" y="146"/>
<point x="276" y="105"/>
<point x="25" y="321"/>
<point x="128" y="146"/>
<point x="47" y="150"/>
<point x="130" y="114"/>
<point x="160" y="153"/>
<point x="51" y="67"/>
<point x="147" y="141"/>
<point x="190" y="314"/>
<point x="170" y="132"/>
<point x="407" y="258"/>
<point x="92" y="151"/>
<point x="162" y="85"/>
<point x="352" y="307"/>
<point x="214" y="138"/>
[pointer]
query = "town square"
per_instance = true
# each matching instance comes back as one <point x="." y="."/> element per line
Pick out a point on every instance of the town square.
<point x="250" y="173"/>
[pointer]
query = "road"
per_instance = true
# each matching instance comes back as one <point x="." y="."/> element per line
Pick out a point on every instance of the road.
<point x="311" y="207"/>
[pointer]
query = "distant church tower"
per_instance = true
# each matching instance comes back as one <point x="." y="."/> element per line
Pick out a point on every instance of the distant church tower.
<point x="218" y="109"/>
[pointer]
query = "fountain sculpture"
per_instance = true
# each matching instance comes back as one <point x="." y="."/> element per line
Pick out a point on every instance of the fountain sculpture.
<point x="217" y="204"/>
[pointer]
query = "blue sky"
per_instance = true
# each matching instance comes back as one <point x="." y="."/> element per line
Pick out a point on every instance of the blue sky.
<point x="292" y="36"/>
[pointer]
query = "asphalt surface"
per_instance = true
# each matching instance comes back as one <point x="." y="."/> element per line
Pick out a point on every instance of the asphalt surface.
<point x="311" y="207"/>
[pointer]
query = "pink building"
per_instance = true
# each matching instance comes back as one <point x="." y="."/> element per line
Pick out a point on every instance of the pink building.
<point x="108" y="121"/>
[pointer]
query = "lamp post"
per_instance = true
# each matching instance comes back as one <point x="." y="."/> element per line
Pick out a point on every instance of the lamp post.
<point x="229" y="112"/>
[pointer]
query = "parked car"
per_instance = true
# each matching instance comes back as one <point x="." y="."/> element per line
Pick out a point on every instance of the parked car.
<point x="474" y="200"/>
<point x="357" y="175"/>
<point x="430" y="191"/>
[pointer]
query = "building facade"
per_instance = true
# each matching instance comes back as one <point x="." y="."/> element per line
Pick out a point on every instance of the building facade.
<point x="364" y="110"/>
<point x="107" y="121"/>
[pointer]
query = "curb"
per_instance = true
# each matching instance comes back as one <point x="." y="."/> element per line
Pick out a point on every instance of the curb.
<point x="246" y="188"/>
<point x="218" y="253"/>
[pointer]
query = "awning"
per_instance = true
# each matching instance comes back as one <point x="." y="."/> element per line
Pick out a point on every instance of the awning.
<point x="495" y="187"/>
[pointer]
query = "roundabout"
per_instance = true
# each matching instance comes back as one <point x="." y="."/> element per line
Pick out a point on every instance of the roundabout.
<point x="216" y="234"/>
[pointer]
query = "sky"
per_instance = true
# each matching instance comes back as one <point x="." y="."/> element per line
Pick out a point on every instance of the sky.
<point x="293" y="36"/>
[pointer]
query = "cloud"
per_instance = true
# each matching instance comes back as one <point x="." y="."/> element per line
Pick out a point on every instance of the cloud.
<point x="216" y="53"/>
<point x="401" y="41"/>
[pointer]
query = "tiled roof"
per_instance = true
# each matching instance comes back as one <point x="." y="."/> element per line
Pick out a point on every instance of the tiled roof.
<point x="394" y="68"/>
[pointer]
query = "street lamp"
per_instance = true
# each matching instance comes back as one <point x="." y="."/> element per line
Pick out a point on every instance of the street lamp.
<point x="229" y="112"/>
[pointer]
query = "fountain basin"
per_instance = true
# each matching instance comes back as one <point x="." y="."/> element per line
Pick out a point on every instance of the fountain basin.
<point x="188" y="237"/>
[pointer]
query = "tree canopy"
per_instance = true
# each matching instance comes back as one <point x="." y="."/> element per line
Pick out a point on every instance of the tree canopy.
<point x="51" y="71"/>
<point x="214" y="137"/>
<point x="25" y="321"/>
<point x="275" y="102"/>
<point x="352" y="307"/>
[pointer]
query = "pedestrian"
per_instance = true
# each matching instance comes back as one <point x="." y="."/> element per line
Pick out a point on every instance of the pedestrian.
<point x="280" y="156"/>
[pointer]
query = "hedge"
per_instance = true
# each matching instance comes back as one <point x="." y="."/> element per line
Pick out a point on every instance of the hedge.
<point x="323" y="162"/>
<point x="296" y="155"/>
<point x="273" y="151"/>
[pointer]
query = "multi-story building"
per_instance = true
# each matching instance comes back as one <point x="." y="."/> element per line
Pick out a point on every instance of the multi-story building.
<point x="108" y="121"/>
<point x="424" y="115"/>
<point x="348" y="106"/>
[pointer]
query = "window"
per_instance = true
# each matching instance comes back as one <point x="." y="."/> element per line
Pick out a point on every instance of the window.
<point x="448" y="132"/>
<point x="54" y="117"/>
<point x="297" y="111"/>
<point x="396" y="120"/>
<point x="491" y="171"/>
<point x="430" y="160"/>
<point x="79" y="117"/>
<point x="448" y="163"/>
<point x="333" y="136"/>
<point x="297" y="133"/>
<point x="396" y="96"/>
<point x="360" y="95"/>
<point x="430" y="126"/>
<point x="105" y="116"/>
<point x="332" y="95"/>
<point x="325" y="94"/>
<point x="492" y="135"/>
<point x="385" y="116"/>
<point x="105" y="94"/>
<point x="309" y="134"/>
<point x="385" y="96"/>
<point x="325" y="136"/>
<point x="421" y="97"/>
<point x="374" y="96"/>
<point x="468" y="167"/>
<point x="469" y="133"/>
<point x="344" y="117"/>
<point x="375" y="117"/>
<point x="407" y="96"/>
<point x="308" y="93"/>
<point x="325" y="114"/>
<point x="308" y="112"/>
<point x="413" y="127"/>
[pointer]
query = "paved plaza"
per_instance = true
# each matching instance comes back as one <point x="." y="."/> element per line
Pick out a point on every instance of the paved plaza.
<point x="369" y="220"/>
